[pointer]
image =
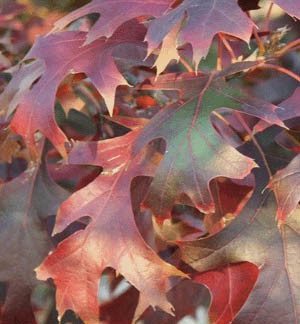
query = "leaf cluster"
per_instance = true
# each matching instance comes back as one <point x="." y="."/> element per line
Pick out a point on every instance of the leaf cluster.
<point x="149" y="156"/>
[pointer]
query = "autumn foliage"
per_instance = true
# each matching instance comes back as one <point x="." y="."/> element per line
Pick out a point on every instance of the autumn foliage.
<point x="149" y="162"/>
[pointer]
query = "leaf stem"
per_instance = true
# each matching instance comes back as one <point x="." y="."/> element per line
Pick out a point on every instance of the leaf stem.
<point x="197" y="110"/>
<point x="255" y="142"/>
<point x="288" y="47"/>
<point x="260" y="44"/>
<point x="186" y="64"/>
<point x="279" y="69"/>
<point x="228" y="47"/>
<point x="267" y="19"/>
<point x="220" y="54"/>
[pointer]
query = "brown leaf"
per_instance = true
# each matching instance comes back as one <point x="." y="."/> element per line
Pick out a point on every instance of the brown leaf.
<point x="26" y="202"/>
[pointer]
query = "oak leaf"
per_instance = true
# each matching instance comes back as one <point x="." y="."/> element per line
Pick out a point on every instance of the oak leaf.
<point x="62" y="54"/>
<point x="290" y="108"/>
<point x="113" y="13"/>
<point x="195" y="153"/>
<point x="201" y="21"/>
<point x="236" y="280"/>
<point x="26" y="202"/>
<point x="254" y="236"/>
<point x="111" y="239"/>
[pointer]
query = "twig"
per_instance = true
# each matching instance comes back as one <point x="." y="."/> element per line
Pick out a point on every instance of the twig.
<point x="288" y="47"/>
<point x="228" y="47"/>
<point x="279" y="69"/>
<point x="186" y="64"/>
<point x="220" y="54"/>
<point x="255" y="142"/>
<point x="260" y="44"/>
<point x="267" y="19"/>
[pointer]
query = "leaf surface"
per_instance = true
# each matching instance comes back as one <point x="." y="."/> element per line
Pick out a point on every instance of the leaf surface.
<point x="286" y="184"/>
<point x="237" y="281"/>
<point x="290" y="6"/>
<point x="186" y="296"/>
<point x="290" y="108"/>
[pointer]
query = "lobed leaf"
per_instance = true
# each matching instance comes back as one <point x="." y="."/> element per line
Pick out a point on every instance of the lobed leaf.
<point x="113" y="13"/>
<point x="62" y="54"/>
<point x="111" y="239"/>
<point x="201" y="21"/>
<point x="195" y="153"/>
<point x="254" y="236"/>
<point x="26" y="202"/>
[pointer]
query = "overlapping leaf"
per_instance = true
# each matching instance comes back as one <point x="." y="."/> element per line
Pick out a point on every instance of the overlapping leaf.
<point x="204" y="20"/>
<point x="111" y="239"/>
<point x="237" y="281"/>
<point x="290" y="6"/>
<point x="195" y="153"/>
<point x="255" y="237"/>
<point x="26" y="202"/>
<point x="251" y="267"/>
<point x="290" y="108"/>
<point x="113" y="13"/>
<point x="286" y="186"/>
<point x="62" y="54"/>
<point x="186" y="296"/>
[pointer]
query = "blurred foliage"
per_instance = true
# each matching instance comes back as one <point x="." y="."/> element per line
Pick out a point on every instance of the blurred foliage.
<point x="62" y="5"/>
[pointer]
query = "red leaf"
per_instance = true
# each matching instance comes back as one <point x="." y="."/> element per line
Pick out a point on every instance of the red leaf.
<point x="187" y="296"/>
<point x="62" y="54"/>
<point x="113" y="13"/>
<point x="255" y="237"/>
<point x="202" y="21"/>
<point x="111" y="239"/>
<point x="230" y="287"/>
<point x="230" y="199"/>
